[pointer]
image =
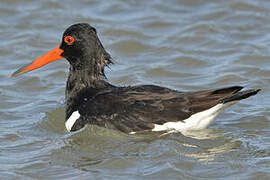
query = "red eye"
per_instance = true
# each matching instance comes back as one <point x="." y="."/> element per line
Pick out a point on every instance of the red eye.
<point x="69" y="40"/>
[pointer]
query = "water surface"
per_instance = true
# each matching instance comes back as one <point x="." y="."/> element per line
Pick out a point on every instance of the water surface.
<point x="185" y="45"/>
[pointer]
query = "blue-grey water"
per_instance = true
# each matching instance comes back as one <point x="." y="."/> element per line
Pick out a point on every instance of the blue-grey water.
<point x="182" y="44"/>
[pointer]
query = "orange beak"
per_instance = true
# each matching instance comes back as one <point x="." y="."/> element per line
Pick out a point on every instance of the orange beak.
<point x="51" y="56"/>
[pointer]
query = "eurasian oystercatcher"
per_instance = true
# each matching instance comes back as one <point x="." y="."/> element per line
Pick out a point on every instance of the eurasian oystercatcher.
<point x="90" y="99"/>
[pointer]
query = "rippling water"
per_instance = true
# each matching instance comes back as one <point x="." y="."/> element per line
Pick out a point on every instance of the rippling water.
<point x="185" y="45"/>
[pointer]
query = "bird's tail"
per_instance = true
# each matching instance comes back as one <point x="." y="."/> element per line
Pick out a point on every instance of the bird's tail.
<point x="240" y="95"/>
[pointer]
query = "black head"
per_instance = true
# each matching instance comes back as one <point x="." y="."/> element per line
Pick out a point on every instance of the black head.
<point x="81" y="47"/>
<point x="79" y="41"/>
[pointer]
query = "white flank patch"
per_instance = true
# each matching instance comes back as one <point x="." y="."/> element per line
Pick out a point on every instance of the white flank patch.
<point x="197" y="121"/>
<point x="72" y="119"/>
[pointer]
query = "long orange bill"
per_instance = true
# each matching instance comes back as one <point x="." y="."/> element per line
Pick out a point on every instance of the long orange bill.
<point x="51" y="56"/>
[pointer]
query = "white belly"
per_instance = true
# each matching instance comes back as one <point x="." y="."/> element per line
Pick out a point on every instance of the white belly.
<point x="197" y="121"/>
<point x="71" y="120"/>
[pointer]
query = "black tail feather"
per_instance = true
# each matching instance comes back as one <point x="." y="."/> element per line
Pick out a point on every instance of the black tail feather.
<point x="233" y="90"/>
<point x="240" y="95"/>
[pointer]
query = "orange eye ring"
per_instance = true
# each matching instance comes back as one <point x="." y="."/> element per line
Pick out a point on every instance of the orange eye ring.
<point x="69" y="40"/>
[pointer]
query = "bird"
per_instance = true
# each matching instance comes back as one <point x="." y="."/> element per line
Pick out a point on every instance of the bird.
<point x="91" y="99"/>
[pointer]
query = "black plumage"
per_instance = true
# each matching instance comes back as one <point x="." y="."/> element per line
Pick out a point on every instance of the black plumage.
<point x="128" y="109"/>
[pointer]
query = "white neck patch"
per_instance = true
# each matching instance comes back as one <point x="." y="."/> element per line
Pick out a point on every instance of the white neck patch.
<point x="72" y="119"/>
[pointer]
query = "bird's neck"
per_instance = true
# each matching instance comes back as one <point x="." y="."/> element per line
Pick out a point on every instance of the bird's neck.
<point x="82" y="85"/>
<point x="86" y="77"/>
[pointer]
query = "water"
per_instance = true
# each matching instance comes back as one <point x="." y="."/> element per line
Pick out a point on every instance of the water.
<point x="185" y="45"/>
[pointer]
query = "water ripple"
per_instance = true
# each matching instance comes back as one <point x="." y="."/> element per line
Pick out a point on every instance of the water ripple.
<point x="186" y="45"/>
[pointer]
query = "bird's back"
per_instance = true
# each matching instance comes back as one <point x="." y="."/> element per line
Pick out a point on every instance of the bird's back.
<point x="140" y="108"/>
